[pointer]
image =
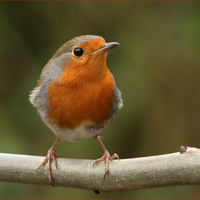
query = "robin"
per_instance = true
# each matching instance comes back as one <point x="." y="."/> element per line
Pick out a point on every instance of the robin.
<point x="76" y="95"/>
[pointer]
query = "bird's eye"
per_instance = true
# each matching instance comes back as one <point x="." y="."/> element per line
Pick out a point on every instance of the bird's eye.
<point x="78" y="51"/>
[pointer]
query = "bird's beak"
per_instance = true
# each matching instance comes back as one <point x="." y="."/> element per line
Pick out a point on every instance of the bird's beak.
<point x="106" y="47"/>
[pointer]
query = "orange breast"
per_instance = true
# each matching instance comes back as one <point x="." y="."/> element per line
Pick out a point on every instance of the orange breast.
<point x="80" y="96"/>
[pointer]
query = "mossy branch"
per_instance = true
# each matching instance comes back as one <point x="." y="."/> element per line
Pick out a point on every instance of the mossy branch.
<point x="125" y="174"/>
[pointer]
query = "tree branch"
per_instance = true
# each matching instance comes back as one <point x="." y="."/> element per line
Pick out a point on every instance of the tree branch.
<point x="125" y="174"/>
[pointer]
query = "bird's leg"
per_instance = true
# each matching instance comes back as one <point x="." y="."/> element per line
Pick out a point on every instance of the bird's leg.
<point x="50" y="156"/>
<point x="106" y="156"/>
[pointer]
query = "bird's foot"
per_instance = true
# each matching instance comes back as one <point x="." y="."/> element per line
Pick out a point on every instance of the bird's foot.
<point x="50" y="156"/>
<point x="107" y="157"/>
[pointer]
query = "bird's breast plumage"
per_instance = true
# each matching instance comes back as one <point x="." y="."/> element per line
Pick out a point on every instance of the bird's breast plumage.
<point x="81" y="99"/>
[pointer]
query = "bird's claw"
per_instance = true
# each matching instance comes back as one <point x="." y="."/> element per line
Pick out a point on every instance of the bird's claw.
<point x="107" y="157"/>
<point x="50" y="156"/>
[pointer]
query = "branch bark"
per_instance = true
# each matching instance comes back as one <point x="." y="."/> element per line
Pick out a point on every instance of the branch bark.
<point x="125" y="174"/>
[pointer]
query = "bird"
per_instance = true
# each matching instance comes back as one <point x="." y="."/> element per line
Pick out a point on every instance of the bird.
<point x="76" y="95"/>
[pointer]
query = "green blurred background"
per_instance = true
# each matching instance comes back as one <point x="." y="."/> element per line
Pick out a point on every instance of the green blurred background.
<point x="157" y="66"/>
